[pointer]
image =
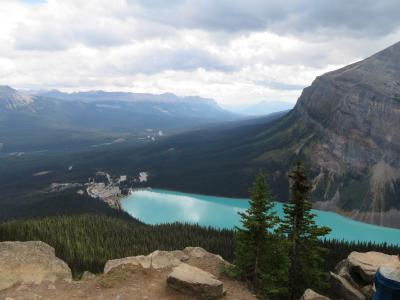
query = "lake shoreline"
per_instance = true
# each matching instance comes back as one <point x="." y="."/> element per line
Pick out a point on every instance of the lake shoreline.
<point x="158" y="206"/>
<point x="345" y="214"/>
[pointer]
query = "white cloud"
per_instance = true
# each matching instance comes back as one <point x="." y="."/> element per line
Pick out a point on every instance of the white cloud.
<point x="238" y="52"/>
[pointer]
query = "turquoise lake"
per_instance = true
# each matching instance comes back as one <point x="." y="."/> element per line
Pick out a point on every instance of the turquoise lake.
<point x="159" y="206"/>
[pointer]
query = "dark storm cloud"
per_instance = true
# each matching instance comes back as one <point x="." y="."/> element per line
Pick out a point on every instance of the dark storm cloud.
<point x="365" y="17"/>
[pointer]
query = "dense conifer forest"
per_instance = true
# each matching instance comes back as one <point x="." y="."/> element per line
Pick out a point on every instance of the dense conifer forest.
<point x="87" y="241"/>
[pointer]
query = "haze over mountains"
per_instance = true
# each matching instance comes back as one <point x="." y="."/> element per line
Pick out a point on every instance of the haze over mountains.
<point x="55" y="119"/>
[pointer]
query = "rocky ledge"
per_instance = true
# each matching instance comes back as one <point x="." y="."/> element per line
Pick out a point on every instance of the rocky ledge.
<point x="30" y="270"/>
<point x="30" y="262"/>
<point x="353" y="277"/>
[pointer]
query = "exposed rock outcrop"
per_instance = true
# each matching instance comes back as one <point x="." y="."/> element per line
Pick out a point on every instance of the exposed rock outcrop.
<point x="354" y="115"/>
<point x="344" y="289"/>
<point x="309" y="294"/>
<point x="87" y="275"/>
<point x="354" y="276"/>
<point x="165" y="259"/>
<point x="156" y="260"/>
<point x="193" y="272"/>
<point x="11" y="99"/>
<point x="366" y="264"/>
<point x="30" y="262"/>
<point x="30" y="270"/>
<point x="195" y="282"/>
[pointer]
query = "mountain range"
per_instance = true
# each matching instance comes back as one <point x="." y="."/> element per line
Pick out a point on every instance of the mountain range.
<point x="11" y="99"/>
<point x="52" y="119"/>
<point x="345" y="127"/>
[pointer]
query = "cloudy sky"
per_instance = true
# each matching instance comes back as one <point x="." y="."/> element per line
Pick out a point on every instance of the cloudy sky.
<point x="235" y="51"/>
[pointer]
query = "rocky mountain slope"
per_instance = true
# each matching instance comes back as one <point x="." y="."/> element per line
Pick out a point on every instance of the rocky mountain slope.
<point x="355" y="116"/>
<point x="345" y="127"/>
<point x="11" y="99"/>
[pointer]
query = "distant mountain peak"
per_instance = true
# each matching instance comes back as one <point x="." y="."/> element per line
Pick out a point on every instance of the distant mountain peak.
<point x="100" y="95"/>
<point x="356" y="110"/>
<point x="11" y="99"/>
<point x="391" y="51"/>
<point x="378" y="74"/>
<point x="345" y="127"/>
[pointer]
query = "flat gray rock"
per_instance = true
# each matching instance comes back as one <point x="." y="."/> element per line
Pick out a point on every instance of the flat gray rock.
<point x="343" y="289"/>
<point x="366" y="264"/>
<point x="155" y="260"/>
<point x="30" y="262"/>
<point x="196" y="282"/>
<point x="309" y="294"/>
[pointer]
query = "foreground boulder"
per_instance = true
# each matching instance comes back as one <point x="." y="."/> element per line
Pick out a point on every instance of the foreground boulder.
<point x="87" y="275"/>
<point x="192" y="273"/>
<point x="165" y="259"/>
<point x="30" y="262"/>
<point x="198" y="252"/>
<point x="343" y="289"/>
<point x="156" y="260"/>
<point x="366" y="264"/>
<point x="354" y="276"/>
<point x="309" y="294"/>
<point x="195" y="282"/>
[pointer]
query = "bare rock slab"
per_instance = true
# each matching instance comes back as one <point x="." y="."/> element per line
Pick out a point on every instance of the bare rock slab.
<point x="343" y="289"/>
<point x="167" y="259"/>
<point x="87" y="275"/>
<point x="366" y="264"/>
<point x="196" y="282"/>
<point x="30" y="262"/>
<point x="155" y="260"/>
<point x="309" y="294"/>
<point x="142" y="261"/>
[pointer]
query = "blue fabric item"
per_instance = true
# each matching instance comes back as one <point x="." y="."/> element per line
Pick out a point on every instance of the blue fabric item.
<point x="386" y="289"/>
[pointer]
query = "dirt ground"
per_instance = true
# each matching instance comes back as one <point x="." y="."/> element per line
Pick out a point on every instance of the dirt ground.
<point x="123" y="283"/>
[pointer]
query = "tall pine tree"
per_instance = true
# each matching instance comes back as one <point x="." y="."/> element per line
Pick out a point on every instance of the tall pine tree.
<point x="305" y="252"/>
<point x="260" y="256"/>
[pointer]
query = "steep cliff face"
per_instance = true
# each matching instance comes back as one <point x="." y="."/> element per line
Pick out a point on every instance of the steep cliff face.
<point x="355" y="115"/>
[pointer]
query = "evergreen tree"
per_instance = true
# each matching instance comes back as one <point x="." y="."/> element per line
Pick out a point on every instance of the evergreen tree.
<point x="260" y="256"/>
<point x="305" y="252"/>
